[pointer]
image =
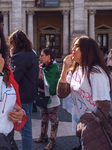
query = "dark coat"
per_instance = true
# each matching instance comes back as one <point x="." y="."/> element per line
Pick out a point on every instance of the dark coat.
<point x="95" y="132"/>
<point x="26" y="69"/>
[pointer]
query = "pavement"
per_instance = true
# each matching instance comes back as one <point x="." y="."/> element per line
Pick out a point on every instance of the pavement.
<point x="66" y="138"/>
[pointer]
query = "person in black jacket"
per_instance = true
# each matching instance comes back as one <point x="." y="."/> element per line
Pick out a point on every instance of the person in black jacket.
<point x="25" y="68"/>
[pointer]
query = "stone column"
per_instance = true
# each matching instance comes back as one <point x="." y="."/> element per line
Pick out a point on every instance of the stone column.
<point x="5" y="22"/>
<point x="71" y="17"/>
<point x="35" y="40"/>
<point x="79" y="26"/>
<point x="92" y="23"/>
<point x="24" y="20"/>
<point x="30" y="24"/>
<point x="16" y="15"/>
<point x="65" y="33"/>
<point x="86" y="21"/>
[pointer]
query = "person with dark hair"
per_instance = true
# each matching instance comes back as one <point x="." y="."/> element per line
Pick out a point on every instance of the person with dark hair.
<point x="86" y="76"/>
<point x="106" y="56"/>
<point x="109" y="59"/>
<point x="25" y="68"/>
<point x="109" y="64"/>
<point x="51" y="76"/>
<point x="11" y="114"/>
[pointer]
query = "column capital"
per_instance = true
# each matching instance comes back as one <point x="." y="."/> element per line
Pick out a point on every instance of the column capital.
<point x="4" y="12"/>
<point x="30" y="12"/>
<point x="70" y="1"/>
<point x="65" y="12"/>
<point x="92" y="11"/>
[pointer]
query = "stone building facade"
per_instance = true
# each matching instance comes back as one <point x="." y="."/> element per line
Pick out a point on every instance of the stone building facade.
<point x="56" y="26"/>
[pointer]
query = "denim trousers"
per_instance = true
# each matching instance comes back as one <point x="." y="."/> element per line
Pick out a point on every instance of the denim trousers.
<point x="81" y="143"/>
<point x="26" y="131"/>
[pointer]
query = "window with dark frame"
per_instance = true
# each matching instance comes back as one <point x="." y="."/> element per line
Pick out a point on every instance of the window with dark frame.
<point x="103" y="42"/>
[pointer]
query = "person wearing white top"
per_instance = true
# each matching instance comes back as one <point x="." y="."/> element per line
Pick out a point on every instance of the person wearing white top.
<point x="86" y="76"/>
<point x="11" y="114"/>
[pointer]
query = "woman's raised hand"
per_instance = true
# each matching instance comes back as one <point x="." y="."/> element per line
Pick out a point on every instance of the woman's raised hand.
<point x="67" y="62"/>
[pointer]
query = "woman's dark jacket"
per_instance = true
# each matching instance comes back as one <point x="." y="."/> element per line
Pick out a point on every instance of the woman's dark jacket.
<point x="95" y="130"/>
<point x="25" y="68"/>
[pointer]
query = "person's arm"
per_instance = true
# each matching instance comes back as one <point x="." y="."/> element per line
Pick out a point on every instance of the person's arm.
<point x="1" y="75"/>
<point x="18" y="116"/>
<point x="63" y="88"/>
<point x="104" y="107"/>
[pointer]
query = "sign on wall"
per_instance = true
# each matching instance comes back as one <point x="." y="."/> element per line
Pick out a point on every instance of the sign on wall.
<point x="52" y="3"/>
<point x="47" y="3"/>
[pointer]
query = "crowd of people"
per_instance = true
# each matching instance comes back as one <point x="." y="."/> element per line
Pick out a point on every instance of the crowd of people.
<point x="85" y="79"/>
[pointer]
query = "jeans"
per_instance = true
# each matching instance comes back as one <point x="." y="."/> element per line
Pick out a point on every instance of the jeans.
<point x="26" y="131"/>
<point x="81" y="144"/>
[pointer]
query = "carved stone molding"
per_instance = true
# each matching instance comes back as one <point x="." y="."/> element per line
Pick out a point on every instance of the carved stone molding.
<point x="92" y="11"/>
<point x="4" y="12"/>
<point x="30" y="12"/>
<point x="65" y="12"/>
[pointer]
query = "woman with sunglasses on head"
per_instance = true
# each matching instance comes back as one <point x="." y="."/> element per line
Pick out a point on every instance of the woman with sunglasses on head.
<point x="86" y="76"/>
<point x="51" y="76"/>
<point x="11" y="114"/>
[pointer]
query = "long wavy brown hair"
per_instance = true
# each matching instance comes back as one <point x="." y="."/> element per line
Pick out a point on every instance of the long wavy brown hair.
<point x="5" y="52"/>
<point x="91" y="56"/>
<point x="19" y="41"/>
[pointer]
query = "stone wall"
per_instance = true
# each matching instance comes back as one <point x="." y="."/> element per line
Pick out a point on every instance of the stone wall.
<point x="98" y="0"/>
<point x="103" y="19"/>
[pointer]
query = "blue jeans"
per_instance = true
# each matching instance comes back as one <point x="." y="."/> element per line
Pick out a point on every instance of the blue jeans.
<point x="26" y="131"/>
<point x="81" y="143"/>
